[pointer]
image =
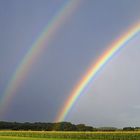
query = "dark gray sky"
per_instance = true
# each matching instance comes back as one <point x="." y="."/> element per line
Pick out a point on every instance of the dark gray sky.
<point x="112" y="100"/>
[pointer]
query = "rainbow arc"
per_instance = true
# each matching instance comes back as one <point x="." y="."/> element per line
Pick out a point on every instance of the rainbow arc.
<point x="90" y="75"/>
<point x="35" y="50"/>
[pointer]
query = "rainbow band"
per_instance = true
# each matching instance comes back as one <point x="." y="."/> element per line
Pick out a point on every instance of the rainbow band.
<point x="35" y="50"/>
<point x="95" y="68"/>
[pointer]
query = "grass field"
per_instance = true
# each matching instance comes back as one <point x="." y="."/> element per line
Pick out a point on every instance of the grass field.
<point x="26" y="138"/>
<point x="44" y="135"/>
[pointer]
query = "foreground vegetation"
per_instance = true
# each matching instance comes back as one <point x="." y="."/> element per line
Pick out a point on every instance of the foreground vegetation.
<point x="42" y="135"/>
<point x="64" y="131"/>
<point x="26" y="138"/>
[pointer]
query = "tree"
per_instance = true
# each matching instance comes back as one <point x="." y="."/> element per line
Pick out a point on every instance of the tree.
<point x="128" y="128"/>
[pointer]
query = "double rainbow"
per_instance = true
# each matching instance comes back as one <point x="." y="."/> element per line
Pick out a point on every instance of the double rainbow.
<point x="95" y="68"/>
<point x="43" y="41"/>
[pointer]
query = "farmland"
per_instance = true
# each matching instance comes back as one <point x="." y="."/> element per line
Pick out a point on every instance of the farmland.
<point x="43" y="135"/>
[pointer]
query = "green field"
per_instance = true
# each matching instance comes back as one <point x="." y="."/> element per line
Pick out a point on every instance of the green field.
<point x="44" y="135"/>
<point x="26" y="138"/>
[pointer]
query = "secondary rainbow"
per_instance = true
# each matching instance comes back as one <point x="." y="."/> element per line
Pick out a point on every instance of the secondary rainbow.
<point x="35" y="50"/>
<point x="94" y="69"/>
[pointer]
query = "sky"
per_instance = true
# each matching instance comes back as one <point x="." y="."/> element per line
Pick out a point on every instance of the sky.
<point x="111" y="100"/>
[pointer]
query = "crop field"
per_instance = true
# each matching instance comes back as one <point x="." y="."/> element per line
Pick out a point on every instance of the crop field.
<point x="44" y="135"/>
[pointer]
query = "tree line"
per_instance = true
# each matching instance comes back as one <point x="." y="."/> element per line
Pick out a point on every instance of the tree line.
<point x="61" y="126"/>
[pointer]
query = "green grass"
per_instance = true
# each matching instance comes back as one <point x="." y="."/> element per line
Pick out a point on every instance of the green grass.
<point x="19" y="138"/>
<point x="28" y="138"/>
<point x="44" y="135"/>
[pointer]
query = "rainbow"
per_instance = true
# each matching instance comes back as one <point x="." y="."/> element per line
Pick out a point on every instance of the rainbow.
<point x="90" y="75"/>
<point x="35" y="50"/>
